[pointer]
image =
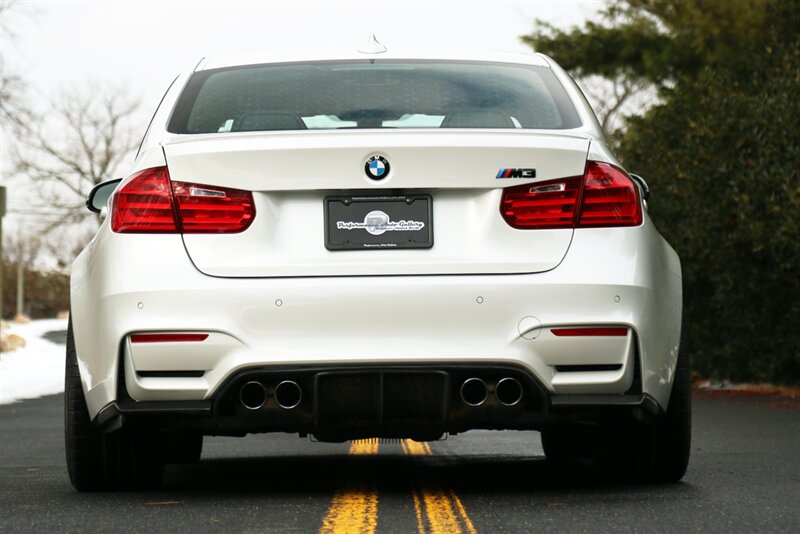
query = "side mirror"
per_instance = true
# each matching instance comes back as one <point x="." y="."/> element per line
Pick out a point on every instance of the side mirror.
<point x="642" y="185"/>
<point x="99" y="195"/>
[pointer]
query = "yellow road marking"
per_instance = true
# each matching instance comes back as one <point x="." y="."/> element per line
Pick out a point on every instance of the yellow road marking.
<point x="364" y="446"/>
<point x="418" y="510"/>
<point x="444" y="511"/>
<point x="354" y="509"/>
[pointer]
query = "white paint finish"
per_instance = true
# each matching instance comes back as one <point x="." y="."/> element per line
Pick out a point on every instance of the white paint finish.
<point x="108" y="265"/>
<point x="529" y="327"/>
<point x="293" y="172"/>
<point x="287" y="239"/>
<point x="393" y="53"/>
<point x="182" y="356"/>
<point x="146" y="388"/>
<point x="578" y="350"/>
<point x="597" y="381"/>
<point x="608" y="276"/>
<point x="369" y="319"/>
<point x="590" y="351"/>
<point x="324" y="160"/>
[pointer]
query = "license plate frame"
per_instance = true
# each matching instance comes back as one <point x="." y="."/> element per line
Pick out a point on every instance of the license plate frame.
<point x="378" y="222"/>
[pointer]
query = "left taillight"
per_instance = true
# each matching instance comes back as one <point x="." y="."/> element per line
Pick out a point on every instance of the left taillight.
<point x="143" y="204"/>
<point x="148" y="202"/>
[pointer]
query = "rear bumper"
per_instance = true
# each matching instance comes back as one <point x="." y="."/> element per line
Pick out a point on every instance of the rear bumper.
<point x="145" y="284"/>
<point x="338" y="403"/>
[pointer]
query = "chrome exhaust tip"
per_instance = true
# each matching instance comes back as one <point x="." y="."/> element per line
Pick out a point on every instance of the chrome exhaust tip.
<point x="508" y="391"/>
<point x="473" y="391"/>
<point x="288" y="394"/>
<point x="253" y="395"/>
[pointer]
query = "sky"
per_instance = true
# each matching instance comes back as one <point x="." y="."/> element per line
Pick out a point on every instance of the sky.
<point x="140" y="46"/>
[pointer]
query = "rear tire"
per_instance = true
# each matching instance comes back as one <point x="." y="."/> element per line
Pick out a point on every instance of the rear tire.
<point x="128" y="458"/>
<point x="565" y="444"/>
<point x="184" y="448"/>
<point x="655" y="451"/>
<point x="673" y="432"/>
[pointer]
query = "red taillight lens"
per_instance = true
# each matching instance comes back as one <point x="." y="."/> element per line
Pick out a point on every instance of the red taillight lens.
<point x="605" y="194"/>
<point x="148" y="202"/>
<point x="208" y="209"/>
<point x="590" y="331"/>
<point x="549" y="204"/>
<point x="610" y="198"/>
<point x="143" y="204"/>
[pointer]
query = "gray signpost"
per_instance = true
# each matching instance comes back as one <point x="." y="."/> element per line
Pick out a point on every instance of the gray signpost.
<point x="2" y="214"/>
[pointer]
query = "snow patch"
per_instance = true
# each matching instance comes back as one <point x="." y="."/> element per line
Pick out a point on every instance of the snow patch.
<point x="36" y="369"/>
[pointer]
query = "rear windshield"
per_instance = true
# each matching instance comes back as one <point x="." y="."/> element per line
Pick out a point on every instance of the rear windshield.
<point x="372" y="94"/>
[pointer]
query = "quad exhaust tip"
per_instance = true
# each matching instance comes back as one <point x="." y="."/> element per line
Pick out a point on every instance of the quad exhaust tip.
<point x="253" y="395"/>
<point x="474" y="391"/>
<point x="508" y="391"/>
<point x="288" y="394"/>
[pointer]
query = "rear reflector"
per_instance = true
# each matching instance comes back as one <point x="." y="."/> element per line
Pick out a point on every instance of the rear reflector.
<point x="599" y="332"/>
<point x="167" y="338"/>
<point x="604" y="196"/>
<point x="148" y="202"/>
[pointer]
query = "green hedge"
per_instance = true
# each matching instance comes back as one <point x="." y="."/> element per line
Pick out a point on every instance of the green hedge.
<point x="721" y="155"/>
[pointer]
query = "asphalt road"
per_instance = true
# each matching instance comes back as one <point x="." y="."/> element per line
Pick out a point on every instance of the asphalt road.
<point x="744" y="477"/>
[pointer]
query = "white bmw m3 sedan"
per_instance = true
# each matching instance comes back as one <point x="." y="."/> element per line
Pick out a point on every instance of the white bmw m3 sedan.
<point x="374" y="244"/>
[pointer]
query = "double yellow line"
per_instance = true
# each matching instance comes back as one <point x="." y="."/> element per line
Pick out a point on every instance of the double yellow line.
<point x="354" y="508"/>
<point x="438" y="509"/>
<point x="442" y="508"/>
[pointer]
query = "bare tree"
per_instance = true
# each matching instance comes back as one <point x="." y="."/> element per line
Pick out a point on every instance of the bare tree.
<point x="613" y="99"/>
<point x="80" y="142"/>
<point x="28" y="243"/>
<point x="64" y="245"/>
<point x="12" y="86"/>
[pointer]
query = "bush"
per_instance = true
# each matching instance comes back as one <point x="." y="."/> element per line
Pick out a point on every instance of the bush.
<point x="46" y="293"/>
<point x="722" y="157"/>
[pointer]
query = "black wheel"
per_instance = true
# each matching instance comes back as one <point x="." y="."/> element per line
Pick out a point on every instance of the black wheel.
<point x="128" y="458"/>
<point x="183" y="448"/>
<point x="565" y="443"/>
<point x="673" y="431"/>
<point x="654" y="451"/>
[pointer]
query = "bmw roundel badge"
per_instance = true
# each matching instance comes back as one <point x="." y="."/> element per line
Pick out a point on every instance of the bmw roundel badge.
<point x="377" y="167"/>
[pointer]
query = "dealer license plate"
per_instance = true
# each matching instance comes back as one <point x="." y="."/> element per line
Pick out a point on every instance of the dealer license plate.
<point x="378" y="222"/>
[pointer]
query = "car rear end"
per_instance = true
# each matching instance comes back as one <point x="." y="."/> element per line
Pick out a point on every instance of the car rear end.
<point x="375" y="247"/>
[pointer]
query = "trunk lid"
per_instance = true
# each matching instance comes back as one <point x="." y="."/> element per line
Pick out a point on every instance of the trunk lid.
<point x="291" y="174"/>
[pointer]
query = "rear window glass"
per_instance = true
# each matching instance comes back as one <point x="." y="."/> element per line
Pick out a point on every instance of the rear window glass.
<point x="373" y="94"/>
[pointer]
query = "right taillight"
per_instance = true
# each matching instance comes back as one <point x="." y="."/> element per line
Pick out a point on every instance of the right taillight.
<point x="149" y="202"/>
<point x="610" y="198"/>
<point x="604" y="196"/>
<point x="541" y="205"/>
